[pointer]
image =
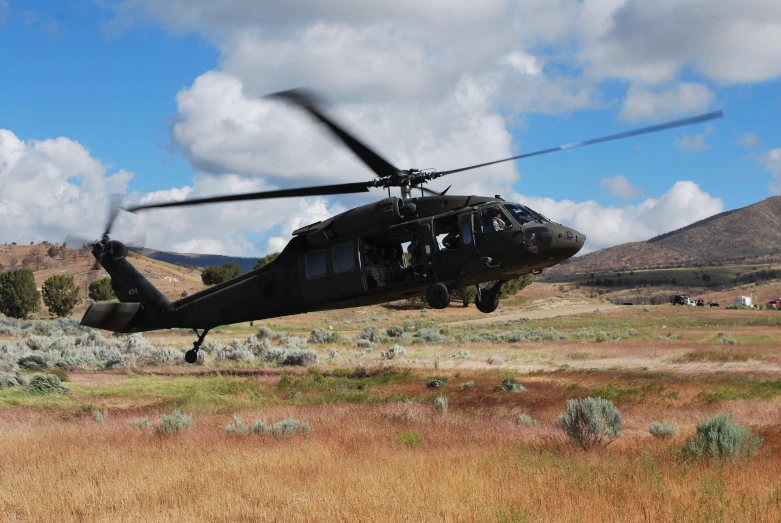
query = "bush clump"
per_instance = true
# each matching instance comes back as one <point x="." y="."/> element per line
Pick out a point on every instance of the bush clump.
<point x="436" y="382"/>
<point x="410" y="439"/>
<point x="662" y="429"/>
<point x="46" y="384"/>
<point x="727" y="341"/>
<point x="100" y="417"/>
<point x="441" y="404"/>
<point x="8" y="380"/>
<point x="369" y="333"/>
<point x="265" y="333"/>
<point x="430" y="335"/>
<point x="467" y="385"/>
<point x="173" y="423"/>
<point x="323" y="336"/>
<point x="32" y="362"/>
<point x="720" y="437"/>
<point x="238" y="427"/>
<point x="526" y="420"/>
<point x="395" y="331"/>
<point x="139" y="423"/>
<point x="591" y="422"/>
<point x="509" y="385"/>
<point x="289" y="427"/>
<point x="393" y="352"/>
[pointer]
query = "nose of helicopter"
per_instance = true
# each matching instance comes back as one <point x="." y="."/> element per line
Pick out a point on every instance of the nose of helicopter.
<point x="568" y="240"/>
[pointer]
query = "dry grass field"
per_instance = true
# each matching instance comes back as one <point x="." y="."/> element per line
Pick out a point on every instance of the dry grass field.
<point x="378" y="449"/>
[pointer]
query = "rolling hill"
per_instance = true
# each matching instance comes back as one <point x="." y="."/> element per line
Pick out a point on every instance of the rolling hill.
<point x="200" y="260"/>
<point x="748" y="232"/>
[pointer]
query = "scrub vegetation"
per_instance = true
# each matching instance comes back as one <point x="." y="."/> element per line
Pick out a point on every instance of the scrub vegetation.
<point x="626" y="415"/>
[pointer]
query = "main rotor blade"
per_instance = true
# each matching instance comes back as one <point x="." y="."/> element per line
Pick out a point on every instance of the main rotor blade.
<point x="645" y="130"/>
<point x="322" y="190"/>
<point x="374" y="161"/>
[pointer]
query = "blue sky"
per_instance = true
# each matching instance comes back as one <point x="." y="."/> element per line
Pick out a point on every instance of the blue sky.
<point x="131" y="83"/>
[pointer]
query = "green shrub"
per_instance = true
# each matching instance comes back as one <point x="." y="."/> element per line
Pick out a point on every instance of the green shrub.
<point x="238" y="427"/>
<point x="430" y="335"/>
<point x="602" y="337"/>
<point x="265" y="333"/>
<point x="441" y="404"/>
<point x="19" y="295"/>
<point x="591" y="422"/>
<point x="467" y="385"/>
<point x="436" y="382"/>
<point x="394" y="331"/>
<point x="525" y="419"/>
<point x="509" y="385"/>
<point x="101" y="290"/>
<point x="173" y="423"/>
<point x="727" y="341"/>
<point x="662" y="429"/>
<point x="8" y="380"/>
<point x="60" y="294"/>
<point x="46" y="384"/>
<point x="410" y="439"/>
<point x="369" y="333"/>
<point x="32" y="362"/>
<point x="59" y="372"/>
<point x="100" y="417"/>
<point x="260" y="427"/>
<point x="323" y="336"/>
<point x="720" y="437"/>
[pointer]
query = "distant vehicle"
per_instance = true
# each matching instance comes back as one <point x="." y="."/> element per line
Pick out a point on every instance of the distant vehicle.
<point x="743" y="300"/>
<point x="774" y="304"/>
<point x="700" y="303"/>
<point x="690" y="302"/>
<point x="679" y="299"/>
<point x="714" y="304"/>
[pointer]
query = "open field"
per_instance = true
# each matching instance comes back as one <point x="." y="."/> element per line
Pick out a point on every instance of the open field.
<point x="473" y="462"/>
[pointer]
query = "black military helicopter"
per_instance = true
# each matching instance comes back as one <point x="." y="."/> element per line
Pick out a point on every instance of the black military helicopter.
<point x="356" y="258"/>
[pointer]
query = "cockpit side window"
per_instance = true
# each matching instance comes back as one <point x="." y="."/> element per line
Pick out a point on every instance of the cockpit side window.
<point x="522" y="214"/>
<point x="493" y="219"/>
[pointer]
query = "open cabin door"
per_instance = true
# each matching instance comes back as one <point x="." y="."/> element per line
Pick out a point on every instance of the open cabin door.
<point x="428" y="244"/>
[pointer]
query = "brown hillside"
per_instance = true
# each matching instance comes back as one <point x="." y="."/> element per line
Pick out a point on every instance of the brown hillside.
<point x="170" y="279"/>
<point x="747" y="232"/>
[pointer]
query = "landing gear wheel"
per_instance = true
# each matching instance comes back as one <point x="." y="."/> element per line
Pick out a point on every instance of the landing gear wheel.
<point x="438" y="296"/>
<point x="191" y="356"/>
<point x="487" y="300"/>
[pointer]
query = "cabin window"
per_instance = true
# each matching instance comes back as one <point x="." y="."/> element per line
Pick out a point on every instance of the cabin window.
<point x="344" y="257"/>
<point x="521" y="214"/>
<point x="315" y="265"/>
<point x="493" y="219"/>
<point x="465" y="223"/>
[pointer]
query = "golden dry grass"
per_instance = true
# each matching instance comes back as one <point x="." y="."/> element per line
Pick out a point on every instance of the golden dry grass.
<point x="351" y="469"/>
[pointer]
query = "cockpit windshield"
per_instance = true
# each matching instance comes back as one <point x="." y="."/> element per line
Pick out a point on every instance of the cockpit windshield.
<point x="523" y="214"/>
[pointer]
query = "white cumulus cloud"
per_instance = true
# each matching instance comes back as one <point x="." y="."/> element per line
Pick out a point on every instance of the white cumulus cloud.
<point x="620" y="186"/>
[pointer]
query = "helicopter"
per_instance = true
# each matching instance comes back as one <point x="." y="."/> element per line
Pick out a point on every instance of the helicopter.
<point x="357" y="258"/>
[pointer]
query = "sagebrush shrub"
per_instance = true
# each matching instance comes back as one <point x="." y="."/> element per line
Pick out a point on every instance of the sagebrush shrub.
<point x="393" y="352"/>
<point x="8" y="380"/>
<point x="323" y="336"/>
<point x="363" y="344"/>
<point x="394" y="331"/>
<point x="720" y="437"/>
<point x="100" y="417"/>
<point x="46" y="384"/>
<point x="441" y="404"/>
<point x="662" y="429"/>
<point x="173" y="423"/>
<point x="289" y="427"/>
<point x="166" y="356"/>
<point x="264" y="333"/>
<point x="467" y="385"/>
<point x="495" y="360"/>
<point x="292" y="342"/>
<point x="334" y="354"/>
<point x="261" y="427"/>
<point x="591" y="422"/>
<point x="509" y="385"/>
<point x="525" y="419"/>
<point x="139" y="423"/>
<point x="602" y="337"/>
<point x="32" y="362"/>
<point x="431" y="335"/>
<point x="238" y="427"/>
<point x="727" y="341"/>
<point x="370" y="333"/>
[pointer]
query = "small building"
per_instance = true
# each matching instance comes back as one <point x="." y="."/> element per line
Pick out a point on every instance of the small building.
<point x="743" y="300"/>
